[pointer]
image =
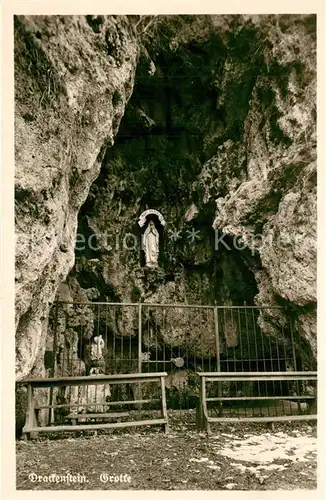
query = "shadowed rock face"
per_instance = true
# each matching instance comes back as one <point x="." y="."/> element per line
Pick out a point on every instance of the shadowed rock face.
<point x="271" y="205"/>
<point x="73" y="77"/>
<point x="221" y="136"/>
<point x="218" y="135"/>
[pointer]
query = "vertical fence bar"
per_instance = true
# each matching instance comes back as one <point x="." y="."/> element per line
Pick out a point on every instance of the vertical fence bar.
<point x="69" y="359"/>
<point x="97" y="388"/>
<point x="149" y="332"/>
<point x="293" y="346"/>
<point x="258" y="386"/>
<point x="80" y="350"/>
<point x="181" y="386"/>
<point x="217" y="341"/>
<point x="263" y="355"/>
<point x="271" y="353"/>
<point x="249" y="353"/>
<point x="272" y="369"/>
<point x="294" y="361"/>
<point x="241" y="354"/>
<point x="163" y="334"/>
<point x="195" y="356"/>
<point x="130" y="367"/>
<point x="240" y="340"/>
<point x="122" y="370"/>
<point x="90" y="354"/>
<point x="279" y="369"/>
<point x="114" y="363"/>
<point x="139" y="337"/>
<point x="139" y="386"/>
<point x="98" y="318"/>
<point x="187" y="364"/>
<point x="235" y="334"/>
<point x="202" y="350"/>
<point x="106" y="337"/>
<point x="54" y="361"/>
<point x="226" y="341"/>
<point x="285" y="359"/>
<point x="256" y="345"/>
<point x="207" y="322"/>
<point x="156" y="329"/>
<point x="218" y="357"/>
<point x="248" y="341"/>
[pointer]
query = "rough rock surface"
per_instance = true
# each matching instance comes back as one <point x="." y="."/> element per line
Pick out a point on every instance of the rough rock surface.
<point x="251" y="175"/>
<point x="240" y="162"/>
<point x="272" y="208"/>
<point x="73" y="78"/>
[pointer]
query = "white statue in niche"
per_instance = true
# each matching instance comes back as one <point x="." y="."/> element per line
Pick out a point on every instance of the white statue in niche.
<point x="97" y="348"/>
<point x="150" y="245"/>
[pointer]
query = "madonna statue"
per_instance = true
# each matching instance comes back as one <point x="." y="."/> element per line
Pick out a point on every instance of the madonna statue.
<point x="150" y="245"/>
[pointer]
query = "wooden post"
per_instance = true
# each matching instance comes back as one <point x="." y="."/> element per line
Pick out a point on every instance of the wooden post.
<point x="31" y="421"/>
<point x="164" y="407"/>
<point x="312" y="407"/>
<point x="199" y="424"/>
<point x="200" y="416"/>
<point x="218" y="358"/>
<point x="204" y="415"/>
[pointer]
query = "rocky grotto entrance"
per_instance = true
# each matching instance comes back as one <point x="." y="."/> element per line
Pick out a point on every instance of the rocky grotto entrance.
<point x="172" y="124"/>
<point x="183" y="148"/>
<point x="165" y="223"/>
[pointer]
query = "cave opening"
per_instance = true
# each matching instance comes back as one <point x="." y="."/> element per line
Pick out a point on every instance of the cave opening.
<point x="171" y="126"/>
<point x="178" y="119"/>
<point x="174" y="122"/>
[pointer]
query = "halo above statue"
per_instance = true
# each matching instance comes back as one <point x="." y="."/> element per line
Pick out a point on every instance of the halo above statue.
<point x="151" y="211"/>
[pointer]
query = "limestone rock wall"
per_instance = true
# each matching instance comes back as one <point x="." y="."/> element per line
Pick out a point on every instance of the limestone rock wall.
<point x="271" y="205"/>
<point x="73" y="78"/>
<point x="240" y="163"/>
<point x="219" y="135"/>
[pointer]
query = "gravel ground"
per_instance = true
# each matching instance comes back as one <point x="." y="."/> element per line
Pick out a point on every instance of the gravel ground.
<point x="234" y="457"/>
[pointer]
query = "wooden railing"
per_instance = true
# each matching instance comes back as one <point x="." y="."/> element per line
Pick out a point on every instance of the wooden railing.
<point x="203" y="419"/>
<point x="31" y="428"/>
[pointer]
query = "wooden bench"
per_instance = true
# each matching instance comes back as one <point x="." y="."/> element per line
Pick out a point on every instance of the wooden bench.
<point x="203" y="420"/>
<point x="31" y="428"/>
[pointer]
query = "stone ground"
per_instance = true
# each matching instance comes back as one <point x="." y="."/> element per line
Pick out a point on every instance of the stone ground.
<point x="234" y="457"/>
